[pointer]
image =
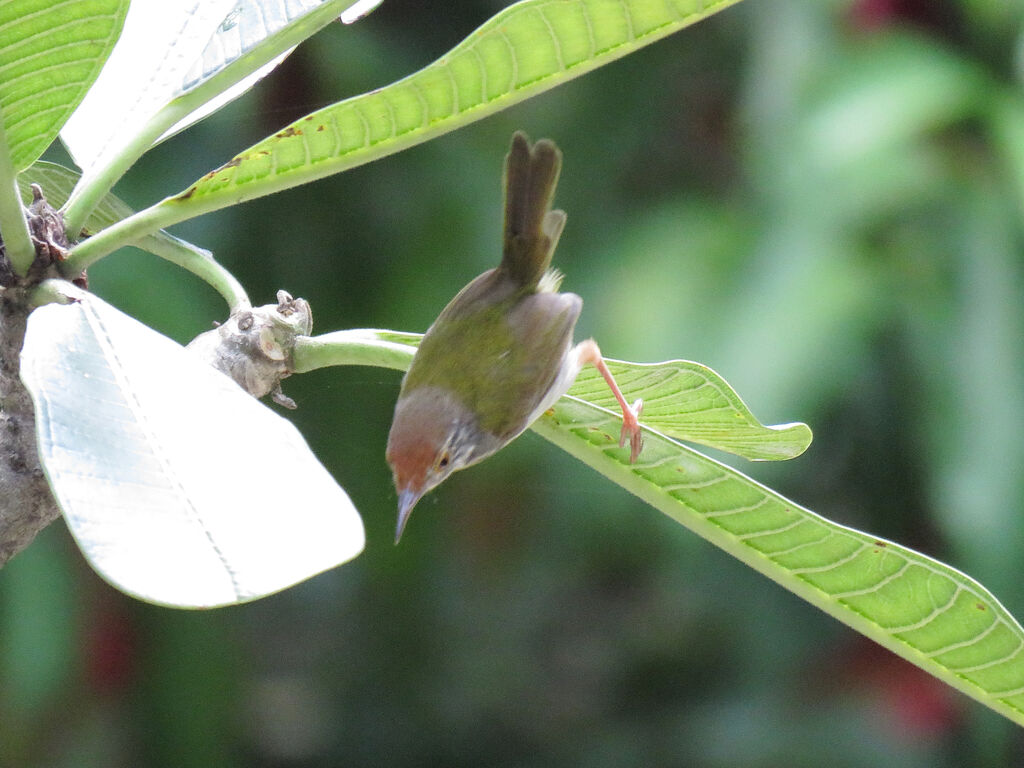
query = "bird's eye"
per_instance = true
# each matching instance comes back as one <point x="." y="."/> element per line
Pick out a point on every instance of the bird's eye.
<point x="442" y="462"/>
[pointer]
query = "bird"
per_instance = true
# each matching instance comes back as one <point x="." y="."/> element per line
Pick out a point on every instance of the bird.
<point x="501" y="352"/>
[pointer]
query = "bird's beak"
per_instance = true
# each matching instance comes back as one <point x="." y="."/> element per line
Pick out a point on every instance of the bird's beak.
<point x="406" y="501"/>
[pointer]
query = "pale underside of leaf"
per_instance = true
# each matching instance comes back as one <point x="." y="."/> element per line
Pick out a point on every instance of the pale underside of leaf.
<point x="179" y="487"/>
<point x="161" y="41"/>
<point x="358" y="10"/>
<point x="50" y="54"/>
<point x="246" y="26"/>
<point x="170" y="49"/>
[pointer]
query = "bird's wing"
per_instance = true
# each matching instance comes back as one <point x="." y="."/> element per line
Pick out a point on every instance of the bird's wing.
<point x="500" y="359"/>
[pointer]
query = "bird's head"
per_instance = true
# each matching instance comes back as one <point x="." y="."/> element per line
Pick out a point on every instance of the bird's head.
<point x="432" y="435"/>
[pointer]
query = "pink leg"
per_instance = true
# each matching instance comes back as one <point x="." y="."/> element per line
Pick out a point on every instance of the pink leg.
<point x="589" y="352"/>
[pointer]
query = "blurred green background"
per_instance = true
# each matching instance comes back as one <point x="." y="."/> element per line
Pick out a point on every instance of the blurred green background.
<point x="823" y="200"/>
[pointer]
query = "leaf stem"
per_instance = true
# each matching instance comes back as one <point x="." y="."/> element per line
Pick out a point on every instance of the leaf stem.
<point x="54" y="291"/>
<point x="16" y="238"/>
<point x="361" y="346"/>
<point x="127" y="231"/>
<point x="200" y="263"/>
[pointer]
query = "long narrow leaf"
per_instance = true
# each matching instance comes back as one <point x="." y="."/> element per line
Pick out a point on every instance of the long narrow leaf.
<point x="925" y="611"/>
<point x="527" y="49"/>
<point x="921" y="609"/>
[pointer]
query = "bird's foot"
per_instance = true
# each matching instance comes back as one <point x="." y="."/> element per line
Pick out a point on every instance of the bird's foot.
<point x="631" y="430"/>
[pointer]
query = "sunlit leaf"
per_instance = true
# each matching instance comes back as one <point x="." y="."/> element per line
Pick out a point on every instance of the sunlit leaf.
<point x="179" y="487"/>
<point x="528" y="48"/>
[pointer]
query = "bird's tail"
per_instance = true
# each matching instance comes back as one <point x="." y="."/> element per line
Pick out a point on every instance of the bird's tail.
<point x="532" y="229"/>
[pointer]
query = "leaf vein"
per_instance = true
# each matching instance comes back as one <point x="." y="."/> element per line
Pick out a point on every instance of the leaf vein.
<point x="996" y="622"/>
<point x="802" y="545"/>
<point x="932" y="615"/>
<point x="846" y="559"/>
<point x="994" y="662"/>
<point x="782" y="529"/>
<point x="736" y="510"/>
<point x="559" y="56"/>
<point x="874" y="587"/>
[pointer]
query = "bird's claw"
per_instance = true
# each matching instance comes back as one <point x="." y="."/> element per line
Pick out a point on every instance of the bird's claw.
<point x="631" y="430"/>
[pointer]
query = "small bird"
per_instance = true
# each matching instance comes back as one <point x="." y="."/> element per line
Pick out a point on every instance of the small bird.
<point x="501" y="353"/>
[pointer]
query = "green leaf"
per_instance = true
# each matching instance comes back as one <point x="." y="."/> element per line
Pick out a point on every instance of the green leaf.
<point x="524" y="50"/>
<point x="56" y="181"/>
<point x="921" y="609"/>
<point x="51" y="53"/>
<point x="179" y="487"/>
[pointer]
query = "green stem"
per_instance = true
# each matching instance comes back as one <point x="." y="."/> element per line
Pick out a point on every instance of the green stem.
<point x="54" y="291"/>
<point x="125" y="232"/>
<point x="353" y="347"/>
<point x="139" y="229"/>
<point x="95" y="184"/>
<point x="201" y="264"/>
<point x="13" y="227"/>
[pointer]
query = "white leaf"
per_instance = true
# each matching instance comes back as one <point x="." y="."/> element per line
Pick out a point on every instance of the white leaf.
<point x="359" y="10"/>
<point x="179" y="487"/>
<point x="226" y="96"/>
<point x="160" y="43"/>
<point x="169" y="47"/>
